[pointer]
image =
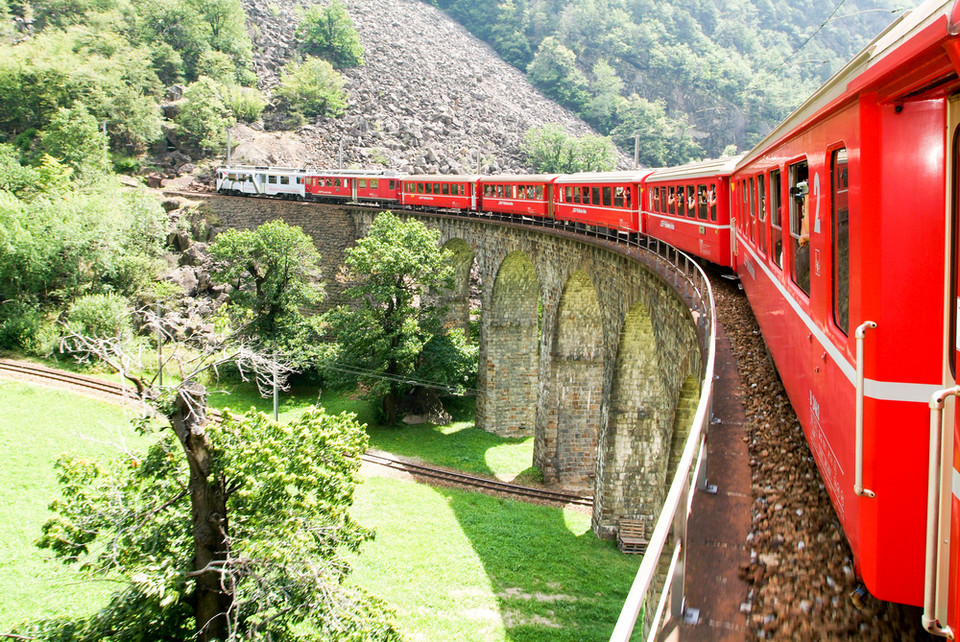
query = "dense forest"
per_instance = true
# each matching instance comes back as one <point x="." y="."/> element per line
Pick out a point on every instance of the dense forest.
<point x="710" y="74"/>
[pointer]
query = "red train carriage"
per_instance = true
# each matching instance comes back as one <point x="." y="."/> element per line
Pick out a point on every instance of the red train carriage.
<point x="688" y="207"/>
<point x="607" y="199"/>
<point x="524" y="195"/>
<point x="846" y="245"/>
<point x="441" y="192"/>
<point x="348" y="185"/>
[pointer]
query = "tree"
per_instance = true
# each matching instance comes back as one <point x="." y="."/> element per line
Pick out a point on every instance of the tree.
<point x="554" y="71"/>
<point x="205" y="117"/>
<point x="313" y="88"/>
<point x="229" y="530"/>
<point x="662" y="139"/>
<point x="328" y="32"/>
<point x="274" y="270"/>
<point x="549" y="149"/>
<point x="74" y="138"/>
<point x="382" y="335"/>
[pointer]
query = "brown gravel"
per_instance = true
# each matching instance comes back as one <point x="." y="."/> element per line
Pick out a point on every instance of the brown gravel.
<point x="801" y="569"/>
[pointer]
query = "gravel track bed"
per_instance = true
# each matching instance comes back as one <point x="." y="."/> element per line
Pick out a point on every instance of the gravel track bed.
<point x="801" y="570"/>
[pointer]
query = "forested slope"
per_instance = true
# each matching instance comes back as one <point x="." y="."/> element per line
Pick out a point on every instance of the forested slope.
<point x="708" y="74"/>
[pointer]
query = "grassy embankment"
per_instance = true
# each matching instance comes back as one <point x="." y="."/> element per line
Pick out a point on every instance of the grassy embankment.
<point x="454" y="565"/>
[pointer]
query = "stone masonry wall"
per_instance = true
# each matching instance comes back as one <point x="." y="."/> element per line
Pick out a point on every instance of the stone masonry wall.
<point x="581" y="346"/>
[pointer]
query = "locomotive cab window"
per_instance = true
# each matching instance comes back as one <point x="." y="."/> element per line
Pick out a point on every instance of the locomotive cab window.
<point x="841" y="240"/>
<point x="800" y="225"/>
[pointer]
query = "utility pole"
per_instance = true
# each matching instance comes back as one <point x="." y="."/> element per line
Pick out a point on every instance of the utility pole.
<point x="159" y="347"/>
<point x="228" y="147"/>
<point x="636" y="152"/>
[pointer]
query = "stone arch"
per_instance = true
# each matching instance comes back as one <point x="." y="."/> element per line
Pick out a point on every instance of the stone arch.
<point x="510" y="354"/>
<point x="689" y="399"/>
<point x="457" y="300"/>
<point x="567" y="448"/>
<point x="636" y="445"/>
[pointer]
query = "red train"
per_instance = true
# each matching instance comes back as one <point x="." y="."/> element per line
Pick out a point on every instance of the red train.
<point x="843" y="225"/>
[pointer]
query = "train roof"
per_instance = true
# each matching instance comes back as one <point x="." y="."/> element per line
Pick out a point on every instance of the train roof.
<point x="699" y="169"/>
<point x="456" y="178"/>
<point x="884" y="54"/>
<point x="312" y="171"/>
<point x="604" y="177"/>
<point x="519" y="178"/>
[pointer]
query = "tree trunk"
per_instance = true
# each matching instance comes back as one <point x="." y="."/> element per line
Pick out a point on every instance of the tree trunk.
<point x="208" y="497"/>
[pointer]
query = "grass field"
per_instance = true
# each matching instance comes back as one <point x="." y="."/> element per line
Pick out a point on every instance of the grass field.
<point x="465" y="566"/>
<point x="37" y="425"/>
<point x="454" y="565"/>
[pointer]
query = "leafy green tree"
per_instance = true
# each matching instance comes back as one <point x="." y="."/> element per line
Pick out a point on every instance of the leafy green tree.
<point x="383" y="335"/>
<point x="601" y="111"/>
<point x="230" y="530"/>
<point x="275" y="271"/>
<point x="205" y="117"/>
<point x="312" y="88"/>
<point x="554" y="70"/>
<point x="328" y="32"/>
<point x="74" y="138"/>
<point x="551" y="150"/>
<point x="663" y="140"/>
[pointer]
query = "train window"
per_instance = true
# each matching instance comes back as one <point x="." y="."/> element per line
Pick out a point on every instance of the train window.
<point x="841" y="240"/>
<point x="776" y="219"/>
<point x="362" y="183"/>
<point x="419" y="188"/>
<point x="436" y="188"/>
<point x="428" y="188"/>
<point x="568" y="194"/>
<point x="391" y="185"/>
<point x="595" y="195"/>
<point x="539" y="192"/>
<point x="374" y="183"/>
<point x="671" y="200"/>
<point x="299" y="180"/>
<point x="762" y="213"/>
<point x="753" y="210"/>
<point x="712" y="200"/>
<point x="744" y="207"/>
<point x="656" y="200"/>
<point x="800" y="225"/>
<point x="272" y="179"/>
<point x="618" y="197"/>
<point x="702" y="202"/>
<point x="691" y="201"/>
<point x="445" y="189"/>
<point x="606" y="196"/>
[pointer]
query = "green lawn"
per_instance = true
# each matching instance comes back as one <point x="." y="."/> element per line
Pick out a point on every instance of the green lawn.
<point x="36" y="425"/>
<point x="464" y="566"/>
<point x="454" y="565"/>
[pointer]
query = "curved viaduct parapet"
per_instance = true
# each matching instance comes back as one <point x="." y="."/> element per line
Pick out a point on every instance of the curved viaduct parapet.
<point x="585" y="347"/>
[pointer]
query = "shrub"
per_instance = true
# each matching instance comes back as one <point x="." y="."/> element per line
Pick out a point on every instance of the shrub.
<point x="313" y="88"/>
<point x="102" y="316"/>
<point x="246" y="103"/>
<point x="329" y="33"/>
<point x="205" y="117"/>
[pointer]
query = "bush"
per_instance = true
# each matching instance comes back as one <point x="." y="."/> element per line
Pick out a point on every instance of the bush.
<point x="103" y="316"/>
<point x="313" y="88"/>
<point x="329" y="33"/>
<point x="205" y="117"/>
<point x="247" y="104"/>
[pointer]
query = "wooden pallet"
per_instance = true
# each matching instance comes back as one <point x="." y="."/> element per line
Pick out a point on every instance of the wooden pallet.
<point x="631" y="536"/>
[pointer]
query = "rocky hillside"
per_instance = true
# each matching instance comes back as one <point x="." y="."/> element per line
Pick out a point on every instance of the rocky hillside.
<point x="429" y="98"/>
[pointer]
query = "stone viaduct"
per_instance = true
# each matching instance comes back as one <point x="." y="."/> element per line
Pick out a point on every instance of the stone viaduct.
<point x="586" y="348"/>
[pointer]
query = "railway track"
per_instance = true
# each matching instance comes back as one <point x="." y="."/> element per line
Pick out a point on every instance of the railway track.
<point x="116" y="391"/>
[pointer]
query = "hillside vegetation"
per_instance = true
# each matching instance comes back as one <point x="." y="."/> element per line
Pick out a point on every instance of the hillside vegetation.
<point x="691" y="77"/>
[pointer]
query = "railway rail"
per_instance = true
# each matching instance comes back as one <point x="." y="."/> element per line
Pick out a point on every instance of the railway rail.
<point x="116" y="391"/>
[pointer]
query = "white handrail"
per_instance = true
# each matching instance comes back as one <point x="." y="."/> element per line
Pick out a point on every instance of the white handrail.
<point x="679" y="488"/>
<point x="858" y="461"/>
